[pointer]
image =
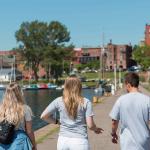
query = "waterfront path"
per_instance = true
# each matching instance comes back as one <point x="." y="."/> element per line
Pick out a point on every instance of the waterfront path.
<point x="97" y="142"/>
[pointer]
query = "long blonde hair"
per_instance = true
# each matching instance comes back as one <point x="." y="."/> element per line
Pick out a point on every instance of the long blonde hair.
<point x="72" y="96"/>
<point x="12" y="106"/>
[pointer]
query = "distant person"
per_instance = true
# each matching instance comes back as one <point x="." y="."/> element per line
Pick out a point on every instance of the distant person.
<point x="75" y="115"/>
<point x="132" y="110"/>
<point x="14" y="110"/>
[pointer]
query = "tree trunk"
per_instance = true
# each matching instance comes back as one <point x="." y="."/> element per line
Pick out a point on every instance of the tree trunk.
<point x="36" y="76"/>
<point x="35" y="70"/>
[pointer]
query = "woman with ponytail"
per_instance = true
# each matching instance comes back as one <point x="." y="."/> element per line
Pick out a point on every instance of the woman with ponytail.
<point x="75" y="116"/>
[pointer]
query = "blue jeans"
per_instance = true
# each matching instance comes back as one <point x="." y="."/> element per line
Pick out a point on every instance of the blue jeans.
<point x="20" y="142"/>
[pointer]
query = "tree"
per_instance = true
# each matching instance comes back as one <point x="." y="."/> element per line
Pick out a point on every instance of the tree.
<point x="142" y="55"/>
<point x="58" y="60"/>
<point x="42" y="42"/>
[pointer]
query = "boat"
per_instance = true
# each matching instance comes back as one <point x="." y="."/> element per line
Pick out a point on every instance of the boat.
<point x="42" y="86"/>
<point x="60" y="87"/>
<point x="51" y="86"/>
<point x="31" y="87"/>
<point x="99" y="90"/>
<point x="2" y="87"/>
<point x="84" y="86"/>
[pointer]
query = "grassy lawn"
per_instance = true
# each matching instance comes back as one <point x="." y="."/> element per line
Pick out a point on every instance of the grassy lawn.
<point x="42" y="138"/>
<point x="87" y="75"/>
<point x="90" y="84"/>
<point x="147" y="86"/>
<point x="110" y="75"/>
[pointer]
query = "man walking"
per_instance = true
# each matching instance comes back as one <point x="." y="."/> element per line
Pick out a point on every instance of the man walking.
<point x="132" y="110"/>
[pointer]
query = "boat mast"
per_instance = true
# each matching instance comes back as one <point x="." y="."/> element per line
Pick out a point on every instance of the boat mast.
<point x="14" y="68"/>
<point x="102" y="50"/>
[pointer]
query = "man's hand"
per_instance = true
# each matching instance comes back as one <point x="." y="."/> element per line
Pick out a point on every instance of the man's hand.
<point x="114" y="138"/>
<point x="98" y="130"/>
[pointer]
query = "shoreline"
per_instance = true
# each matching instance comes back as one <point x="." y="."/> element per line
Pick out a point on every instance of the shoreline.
<point x="42" y="133"/>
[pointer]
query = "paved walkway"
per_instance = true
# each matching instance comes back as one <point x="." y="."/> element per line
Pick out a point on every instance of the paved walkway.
<point x="97" y="142"/>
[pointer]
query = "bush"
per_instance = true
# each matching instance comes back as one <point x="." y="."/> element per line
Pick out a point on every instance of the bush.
<point x="142" y="79"/>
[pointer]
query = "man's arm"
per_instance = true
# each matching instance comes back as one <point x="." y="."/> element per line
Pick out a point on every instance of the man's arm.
<point x="114" y="130"/>
<point x="92" y="126"/>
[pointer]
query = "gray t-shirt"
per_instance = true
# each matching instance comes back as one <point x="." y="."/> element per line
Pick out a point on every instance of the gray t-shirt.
<point x="27" y="117"/>
<point x="133" y="112"/>
<point x="71" y="128"/>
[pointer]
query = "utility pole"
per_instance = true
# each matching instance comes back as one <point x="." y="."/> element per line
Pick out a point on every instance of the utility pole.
<point x="102" y="62"/>
<point x="119" y="76"/>
<point x="63" y="66"/>
<point x="14" y="68"/>
<point x="115" y="80"/>
<point x="102" y="55"/>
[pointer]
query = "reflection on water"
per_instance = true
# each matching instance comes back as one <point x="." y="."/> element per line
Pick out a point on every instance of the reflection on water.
<point x="39" y="99"/>
<point x="1" y="94"/>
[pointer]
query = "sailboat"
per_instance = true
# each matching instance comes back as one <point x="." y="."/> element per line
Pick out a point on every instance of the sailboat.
<point x="7" y="74"/>
<point x="99" y="89"/>
<point x="2" y="86"/>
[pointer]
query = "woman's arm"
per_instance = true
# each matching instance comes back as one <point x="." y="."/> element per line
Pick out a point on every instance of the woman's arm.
<point x="49" y="114"/>
<point x="48" y="117"/>
<point x="92" y="126"/>
<point x="30" y="133"/>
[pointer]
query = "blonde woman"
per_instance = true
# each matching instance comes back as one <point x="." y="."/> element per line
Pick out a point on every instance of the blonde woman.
<point x="14" y="110"/>
<point x="75" y="115"/>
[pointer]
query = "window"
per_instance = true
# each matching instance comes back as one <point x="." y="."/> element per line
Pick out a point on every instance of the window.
<point x="121" y="57"/>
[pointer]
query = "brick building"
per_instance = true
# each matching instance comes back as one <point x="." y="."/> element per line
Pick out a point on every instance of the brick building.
<point x="111" y="54"/>
<point x="84" y="55"/>
<point x="119" y="55"/>
<point x="7" y="58"/>
<point x="12" y="58"/>
<point x="147" y="34"/>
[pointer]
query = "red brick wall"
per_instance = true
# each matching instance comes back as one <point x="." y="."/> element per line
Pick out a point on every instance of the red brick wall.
<point x="147" y="35"/>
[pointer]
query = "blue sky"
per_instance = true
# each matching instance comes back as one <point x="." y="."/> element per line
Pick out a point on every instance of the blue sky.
<point x="123" y="21"/>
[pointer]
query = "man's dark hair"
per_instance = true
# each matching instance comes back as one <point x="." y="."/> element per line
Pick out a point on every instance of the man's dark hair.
<point x="132" y="79"/>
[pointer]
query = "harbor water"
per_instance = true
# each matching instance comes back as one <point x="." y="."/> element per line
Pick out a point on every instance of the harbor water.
<point x="39" y="99"/>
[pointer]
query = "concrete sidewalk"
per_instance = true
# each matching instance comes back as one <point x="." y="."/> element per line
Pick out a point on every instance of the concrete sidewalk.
<point x="97" y="142"/>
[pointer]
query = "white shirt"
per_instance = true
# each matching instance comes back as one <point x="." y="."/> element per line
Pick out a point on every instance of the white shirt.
<point x="133" y="112"/>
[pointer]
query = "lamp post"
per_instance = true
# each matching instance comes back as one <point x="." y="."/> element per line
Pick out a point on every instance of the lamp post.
<point x="14" y="68"/>
<point x="115" y="80"/>
<point x="120" y="84"/>
<point x="120" y="66"/>
<point x="101" y="63"/>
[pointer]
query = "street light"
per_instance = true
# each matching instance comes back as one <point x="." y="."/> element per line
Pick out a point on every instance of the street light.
<point x="115" y="80"/>
<point x="101" y="75"/>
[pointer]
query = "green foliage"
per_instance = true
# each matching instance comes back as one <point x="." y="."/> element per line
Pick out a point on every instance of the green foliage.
<point x="91" y="65"/>
<point x="91" y="75"/>
<point x="43" y="43"/>
<point x="80" y="66"/>
<point x="67" y="67"/>
<point x="142" y="56"/>
<point x="142" y="79"/>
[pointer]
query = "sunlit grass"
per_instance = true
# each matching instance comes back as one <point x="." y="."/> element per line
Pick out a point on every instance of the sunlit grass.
<point x="42" y="138"/>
